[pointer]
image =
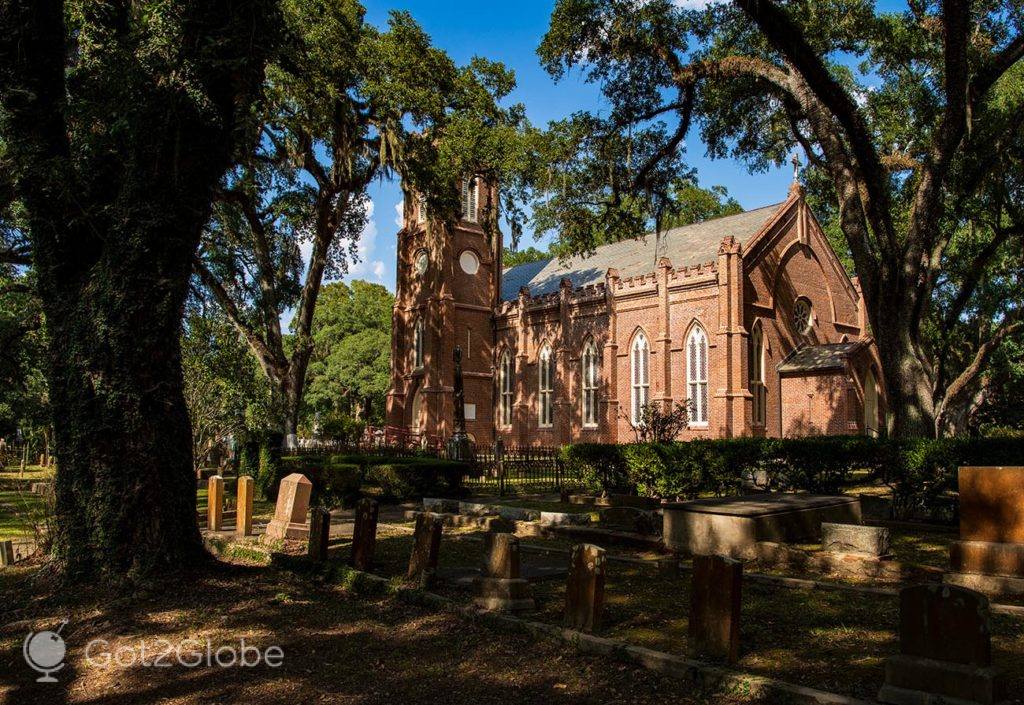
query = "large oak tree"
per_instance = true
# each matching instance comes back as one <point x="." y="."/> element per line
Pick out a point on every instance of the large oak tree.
<point x="120" y="119"/>
<point x="918" y="150"/>
<point x="348" y="104"/>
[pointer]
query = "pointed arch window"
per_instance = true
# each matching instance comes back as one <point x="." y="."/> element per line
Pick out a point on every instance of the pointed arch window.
<point x="758" y="389"/>
<point x="640" y="376"/>
<point x="470" y="197"/>
<point x="697" y="375"/>
<point x="505" y="390"/>
<point x="417" y="343"/>
<point x="591" y="375"/>
<point x="546" y="386"/>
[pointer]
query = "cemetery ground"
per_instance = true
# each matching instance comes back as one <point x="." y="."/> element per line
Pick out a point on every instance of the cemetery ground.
<point x="376" y="648"/>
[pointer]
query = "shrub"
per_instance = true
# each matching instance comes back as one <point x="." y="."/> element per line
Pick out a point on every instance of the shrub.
<point x="268" y="471"/>
<point x="406" y="478"/>
<point x="596" y="466"/>
<point x="334" y="484"/>
<point x="921" y="472"/>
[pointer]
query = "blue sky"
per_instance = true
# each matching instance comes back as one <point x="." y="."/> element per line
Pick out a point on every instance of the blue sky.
<point x="510" y="33"/>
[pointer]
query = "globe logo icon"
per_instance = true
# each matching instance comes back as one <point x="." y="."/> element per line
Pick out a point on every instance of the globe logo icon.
<point x="44" y="652"/>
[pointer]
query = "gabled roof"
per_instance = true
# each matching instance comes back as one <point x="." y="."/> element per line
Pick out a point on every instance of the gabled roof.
<point x="819" y="358"/>
<point x="684" y="246"/>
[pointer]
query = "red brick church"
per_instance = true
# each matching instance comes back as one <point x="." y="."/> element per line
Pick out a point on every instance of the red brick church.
<point x="750" y="320"/>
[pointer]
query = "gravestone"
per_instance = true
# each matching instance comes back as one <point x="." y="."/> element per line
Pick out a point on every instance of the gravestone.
<point x="715" y="599"/>
<point x="289" y="520"/>
<point x="500" y="588"/>
<point x="855" y="539"/>
<point x="584" y="593"/>
<point x="214" y="503"/>
<point x="426" y="545"/>
<point x="6" y="553"/>
<point x="243" y="513"/>
<point x="364" y="533"/>
<point x="945" y="649"/>
<point x="990" y="553"/>
<point x="319" y="534"/>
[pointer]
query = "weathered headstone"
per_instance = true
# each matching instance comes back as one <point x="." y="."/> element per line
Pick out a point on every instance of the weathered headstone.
<point x="289" y="520"/>
<point x="945" y="649"/>
<point x="6" y="553"/>
<point x="364" y="533"/>
<point x="990" y="553"/>
<point x="715" y="599"/>
<point x="426" y="545"/>
<point x="500" y="587"/>
<point x="243" y="512"/>
<point x="214" y="503"/>
<point x="319" y="534"/>
<point x="855" y="539"/>
<point x="584" y="593"/>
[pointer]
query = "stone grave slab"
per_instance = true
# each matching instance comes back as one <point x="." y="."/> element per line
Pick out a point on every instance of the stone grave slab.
<point x="243" y="515"/>
<point x="854" y="539"/>
<point x="215" y="503"/>
<point x="945" y="649"/>
<point x="426" y="546"/>
<point x="731" y="526"/>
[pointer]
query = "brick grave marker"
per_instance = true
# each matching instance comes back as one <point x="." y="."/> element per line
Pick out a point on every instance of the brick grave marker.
<point x="584" y="593"/>
<point x="945" y="649"/>
<point x="243" y="513"/>
<point x="364" y="533"/>
<point x="215" y="503"/>
<point x="500" y="587"/>
<point x="319" y="533"/>
<point x="715" y="599"/>
<point x="990" y="553"/>
<point x="426" y="545"/>
<point x="289" y="520"/>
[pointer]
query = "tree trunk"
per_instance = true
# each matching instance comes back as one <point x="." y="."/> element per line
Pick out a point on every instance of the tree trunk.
<point x="125" y="491"/>
<point x="911" y="407"/>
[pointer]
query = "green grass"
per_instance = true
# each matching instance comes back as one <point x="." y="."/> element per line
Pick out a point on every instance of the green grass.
<point x="20" y="510"/>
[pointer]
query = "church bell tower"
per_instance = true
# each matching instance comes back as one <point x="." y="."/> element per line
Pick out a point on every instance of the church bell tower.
<point x="448" y="286"/>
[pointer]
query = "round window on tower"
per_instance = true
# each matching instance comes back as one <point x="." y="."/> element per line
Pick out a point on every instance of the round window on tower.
<point x="469" y="262"/>
<point x="803" y="317"/>
<point x="422" y="261"/>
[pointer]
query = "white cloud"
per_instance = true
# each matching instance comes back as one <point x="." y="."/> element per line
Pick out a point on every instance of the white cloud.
<point x="695" y="4"/>
<point x="400" y="214"/>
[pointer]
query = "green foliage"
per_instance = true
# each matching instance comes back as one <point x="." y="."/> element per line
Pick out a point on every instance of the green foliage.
<point x="596" y="466"/>
<point x="511" y="258"/>
<point x="689" y="203"/>
<point x="920" y="472"/>
<point x="409" y="480"/>
<point x="656" y="425"/>
<point x="269" y="470"/>
<point x="346" y="105"/>
<point x="899" y="161"/>
<point x="350" y="367"/>
<point x="223" y="386"/>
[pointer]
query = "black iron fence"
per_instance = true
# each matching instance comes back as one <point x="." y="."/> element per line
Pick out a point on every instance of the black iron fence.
<point x="505" y="470"/>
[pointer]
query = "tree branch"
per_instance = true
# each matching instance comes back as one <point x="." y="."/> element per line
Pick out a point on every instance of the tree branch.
<point x="1011" y="324"/>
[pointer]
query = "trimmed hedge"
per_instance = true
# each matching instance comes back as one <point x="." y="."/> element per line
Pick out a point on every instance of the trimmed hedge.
<point x="920" y="472"/>
<point x="338" y="478"/>
<point x="416" y="479"/>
